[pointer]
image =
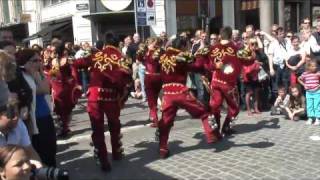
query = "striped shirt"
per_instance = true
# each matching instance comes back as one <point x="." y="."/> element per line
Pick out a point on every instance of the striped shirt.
<point x="311" y="80"/>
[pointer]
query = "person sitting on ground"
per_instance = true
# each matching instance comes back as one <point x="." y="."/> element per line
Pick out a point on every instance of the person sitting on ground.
<point x="297" y="104"/>
<point x="311" y="82"/>
<point x="14" y="163"/>
<point x="137" y="94"/>
<point x="281" y="102"/>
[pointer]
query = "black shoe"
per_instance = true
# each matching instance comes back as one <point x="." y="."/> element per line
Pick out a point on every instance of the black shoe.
<point x="105" y="165"/>
<point x="227" y="131"/>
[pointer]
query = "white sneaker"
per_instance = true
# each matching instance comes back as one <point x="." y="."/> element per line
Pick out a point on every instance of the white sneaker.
<point x="309" y="122"/>
<point x="317" y="122"/>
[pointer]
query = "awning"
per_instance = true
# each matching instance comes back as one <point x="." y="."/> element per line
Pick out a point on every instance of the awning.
<point x="45" y="31"/>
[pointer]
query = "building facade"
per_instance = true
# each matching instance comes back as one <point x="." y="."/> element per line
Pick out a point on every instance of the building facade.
<point x="88" y="20"/>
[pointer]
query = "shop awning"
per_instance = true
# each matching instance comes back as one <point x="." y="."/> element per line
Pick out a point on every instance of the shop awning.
<point x="45" y="31"/>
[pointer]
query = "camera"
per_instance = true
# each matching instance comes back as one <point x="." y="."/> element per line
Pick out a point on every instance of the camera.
<point x="50" y="173"/>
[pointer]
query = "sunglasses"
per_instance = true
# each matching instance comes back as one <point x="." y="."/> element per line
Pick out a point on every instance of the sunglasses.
<point x="289" y="36"/>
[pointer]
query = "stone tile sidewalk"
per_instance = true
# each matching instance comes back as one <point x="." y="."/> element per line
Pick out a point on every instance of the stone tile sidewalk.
<point x="264" y="148"/>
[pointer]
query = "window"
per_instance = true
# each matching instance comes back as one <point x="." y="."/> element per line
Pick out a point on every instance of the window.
<point x="5" y="10"/>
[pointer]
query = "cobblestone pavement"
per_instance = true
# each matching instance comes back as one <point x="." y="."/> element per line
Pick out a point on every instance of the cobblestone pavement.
<point x="264" y="148"/>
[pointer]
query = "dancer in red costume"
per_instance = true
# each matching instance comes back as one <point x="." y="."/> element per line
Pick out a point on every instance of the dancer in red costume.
<point x="63" y="86"/>
<point x="175" y="64"/>
<point x="149" y="56"/>
<point x="225" y="63"/>
<point x="109" y="79"/>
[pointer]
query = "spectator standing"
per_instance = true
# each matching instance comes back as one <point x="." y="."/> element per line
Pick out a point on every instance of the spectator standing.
<point x="132" y="52"/>
<point x="278" y="53"/>
<point x="127" y="42"/>
<point x="44" y="142"/>
<point x="214" y="39"/>
<point x="251" y="81"/>
<point x="311" y="82"/>
<point x="8" y="46"/>
<point x="6" y="35"/>
<point x="296" y="60"/>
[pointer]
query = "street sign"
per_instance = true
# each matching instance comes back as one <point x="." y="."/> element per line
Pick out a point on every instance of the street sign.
<point x="141" y="13"/>
<point x="81" y="7"/>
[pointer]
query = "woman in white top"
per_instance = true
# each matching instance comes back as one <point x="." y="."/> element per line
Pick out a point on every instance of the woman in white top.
<point x="295" y="60"/>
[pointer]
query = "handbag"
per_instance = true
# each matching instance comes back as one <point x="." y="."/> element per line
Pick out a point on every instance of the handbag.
<point x="262" y="75"/>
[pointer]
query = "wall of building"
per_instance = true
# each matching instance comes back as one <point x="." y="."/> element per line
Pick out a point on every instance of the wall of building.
<point x="81" y="26"/>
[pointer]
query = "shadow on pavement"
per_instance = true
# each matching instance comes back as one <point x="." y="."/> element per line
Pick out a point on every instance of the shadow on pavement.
<point x="135" y="165"/>
<point x="63" y="147"/>
<point x="247" y="128"/>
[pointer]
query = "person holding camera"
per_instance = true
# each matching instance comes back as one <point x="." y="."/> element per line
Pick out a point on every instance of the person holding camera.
<point x="14" y="163"/>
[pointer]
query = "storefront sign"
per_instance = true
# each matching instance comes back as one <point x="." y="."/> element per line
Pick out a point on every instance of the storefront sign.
<point x="141" y="13"/>
<point x="151" y="13"/>
<point x="81" y="7"/>
<point x="116" y="5"/>
<point x="146" y="12"/>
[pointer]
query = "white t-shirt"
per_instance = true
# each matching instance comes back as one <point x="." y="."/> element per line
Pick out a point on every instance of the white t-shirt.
<point x="17" y="136"/>
<point x="279" y="51"/>
<point x="311" y="44"/>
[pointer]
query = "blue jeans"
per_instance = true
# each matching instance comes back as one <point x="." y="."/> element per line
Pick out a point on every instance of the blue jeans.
<point x="84" y="80"/>
<point x="313" y="103"/>
<point x="281" y="78"/>
<point x="141" y="74"/>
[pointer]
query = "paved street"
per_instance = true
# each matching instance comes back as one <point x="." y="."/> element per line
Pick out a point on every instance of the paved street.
<point x="264" y="148"/>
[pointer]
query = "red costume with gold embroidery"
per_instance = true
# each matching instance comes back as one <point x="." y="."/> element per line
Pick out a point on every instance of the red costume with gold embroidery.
<point x="63" y="86"/>
<point x="109" y="76"/>
<point x="152" y="82"/>
<point x="176" y="94"/>
<point x="226" y="65"/>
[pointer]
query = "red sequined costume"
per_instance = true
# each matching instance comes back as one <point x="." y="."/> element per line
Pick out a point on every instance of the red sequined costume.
<point x="109" y="76"/>
<point x="225" y="65"/>
<point x="63" y="87"/>
<point x="176" y="94"/>
<point x="152" y="82"/>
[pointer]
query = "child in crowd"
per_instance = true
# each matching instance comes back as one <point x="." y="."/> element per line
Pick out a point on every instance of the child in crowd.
<point x="138" y="93"/>
<point x="311" y="82"/>
<point x="281" y="102"/>
<point x="296" y="107"/>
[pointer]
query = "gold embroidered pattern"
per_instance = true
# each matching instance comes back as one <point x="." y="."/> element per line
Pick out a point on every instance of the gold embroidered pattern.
<point x="168" y="63"/>
<point x="103" y="61"/>
<point x="54" y="67"/>
<point x="217" y="53"/>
